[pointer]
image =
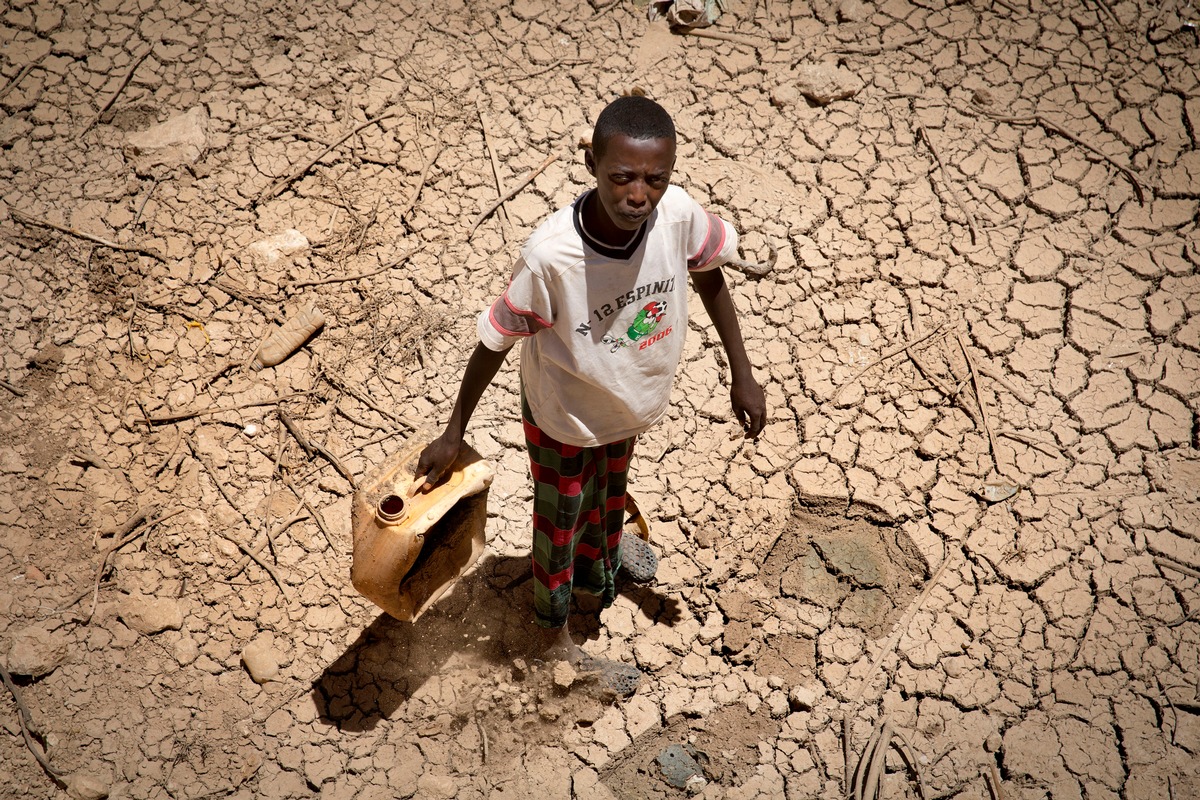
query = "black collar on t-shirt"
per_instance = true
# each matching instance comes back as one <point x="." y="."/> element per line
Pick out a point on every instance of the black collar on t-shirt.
<point x="622" y="253"/>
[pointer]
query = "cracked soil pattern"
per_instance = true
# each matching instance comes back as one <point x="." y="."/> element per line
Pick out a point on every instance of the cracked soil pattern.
<point x="975" y="510"/>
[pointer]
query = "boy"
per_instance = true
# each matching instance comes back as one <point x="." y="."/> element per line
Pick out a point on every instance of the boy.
<point x="599" y="300"/>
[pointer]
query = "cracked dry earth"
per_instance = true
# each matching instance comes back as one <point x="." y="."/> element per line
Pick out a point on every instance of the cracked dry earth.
<point x="973" y="514"/>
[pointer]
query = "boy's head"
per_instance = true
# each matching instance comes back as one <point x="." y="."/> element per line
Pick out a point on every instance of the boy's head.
<point x="635" y="117"/>
<point x="632" y="157"/>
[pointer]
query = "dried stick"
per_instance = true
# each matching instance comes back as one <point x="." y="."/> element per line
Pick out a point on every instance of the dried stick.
<point x="910" y="760"/>
<point x="950" y="186"/>
<point x="847" y="768"/>
<point x="360" y="397"/>
<point x="128" y="533"/>
<point x="487" y="141"/>
<point x="12" y="388"/>
<point x="282" y="183"/>
<point x="721" y="36"/>
<point x="876" y="49"/>
<point x="312" y="447"/>
<point x="983" y="415"/>
<point x="201" y="412"/>
<point x="998" y="377"/>
<point x="26" y="722"/>
<point x="900" y="627"/>
<point x="21" y="216"/>
<point x="254" y="553"/>
<point x="511" y="193"/>
<point x="420" y="184"/>
<point x="294" y="285"/>
<point x="120" y="88"/>
<point x="25" y="70"/>
<point x="873" y="785"/>
<point x="291" y="484"/>
<point x="1037" y="119"/>
<point x="994" y="785"/>
<point x="1029" y="440"/>
<point x="1169" y="563"/>
<point x="257" y="559"/>
<point x="897" y="350"/>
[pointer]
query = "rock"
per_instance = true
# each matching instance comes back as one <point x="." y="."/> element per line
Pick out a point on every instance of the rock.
<point x="36" y="651"/>
<point x="179" y="140"/>
<point x="11" y="461"/>
<point x="89" y="784"/>
<point x="150" y="615"/>
<point x="273" y="248"/>
<point x="824" y="83"/>
<point x="804" y="698"/>
<point x="261" y="660"/>
<point x="564" y="675"/>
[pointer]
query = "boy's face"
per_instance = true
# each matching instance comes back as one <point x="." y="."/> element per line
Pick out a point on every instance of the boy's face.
<point x="631" y="177"/>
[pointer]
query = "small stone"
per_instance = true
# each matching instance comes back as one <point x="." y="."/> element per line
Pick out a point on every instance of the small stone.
<point x="90" y="784"/>
<point x="36" y="651"/>
<point x="180" y="140"/>
<point x="281" y="245"/>
<point x="825" y="83"/>
<point x="149" y="615"/>
<point x="804" y="698"/>
<point x="261" y="660"/>
<point x="564" y="675"/>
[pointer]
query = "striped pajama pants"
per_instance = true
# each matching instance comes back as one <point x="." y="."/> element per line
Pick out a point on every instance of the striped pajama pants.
<point x="578" y="516"/>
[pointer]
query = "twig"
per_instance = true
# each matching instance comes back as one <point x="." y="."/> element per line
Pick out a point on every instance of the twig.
<point x="316" y="515"/>
<point x="120" y="88"/>
<point x="420" y="184"/>
<point x="26" y="722"/>
<point x="1029" y="440"/>
<point x="216" y="479"/>
<point x="847" y="768"/>
<point x="360" y="397"/>
<point x="250" y="299"/>
<point x="995" y="374"/>
<point x="128" y="532"/>
<point x="1037" y="119"/>
<point x="895" y="351"/>
<point x="142" y="206"/>
<point x="983" y="415"/>
<point x="722" y="36"/>
<point x="994" y="785"/>
<point x="974" y="227"/>
<point x="562" y="62"/>
<point x="521" y="184"/>
<point x="253" y="553"/>
<point x="294" y="285"/>
<point x="900" y="627"/>
<point x="25" y="70"/>
<point x="282" y="183"/>
<point x="12" y="388"/>
<point x="910" y="760"/>
<point x="21" y="216"/>
<point x="1169" y="563"/>
<point x="876" y="49"/>
<point x="312" y="447"/>
<point x="201" y="412"/>
<point x="487" y="141"/>
<point x="483" y="739"/>
<point x="257" y="559"/>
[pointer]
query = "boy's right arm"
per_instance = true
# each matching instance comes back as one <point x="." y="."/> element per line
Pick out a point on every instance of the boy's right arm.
<point x="437" y="457"/>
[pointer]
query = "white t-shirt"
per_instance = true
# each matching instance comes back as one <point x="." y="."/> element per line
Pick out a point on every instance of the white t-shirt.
<point x="603" y="327"/>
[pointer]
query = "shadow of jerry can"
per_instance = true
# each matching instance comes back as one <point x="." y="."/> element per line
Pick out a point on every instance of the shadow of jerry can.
<point x="409" y="551"/>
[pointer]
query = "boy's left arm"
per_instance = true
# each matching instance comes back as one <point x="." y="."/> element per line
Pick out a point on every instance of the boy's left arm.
<point x="749" y="401"/>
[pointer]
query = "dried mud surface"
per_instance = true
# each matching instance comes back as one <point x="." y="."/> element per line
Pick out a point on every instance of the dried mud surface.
<point x="985" y="222"/>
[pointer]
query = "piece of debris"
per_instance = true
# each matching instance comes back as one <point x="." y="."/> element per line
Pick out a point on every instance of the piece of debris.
<point x="149" y="615"/>
<point x="288" y="338"/>
<point x="680" y="768"/>
<point x="995" y="491"/>
<point x="820" y="83"/>
<point x="261" y="661"/>
<point x="180" y="140"/>
<point x="36" y="651"/>
<point x="274" y="248"/>
<point x="686" y="13"/>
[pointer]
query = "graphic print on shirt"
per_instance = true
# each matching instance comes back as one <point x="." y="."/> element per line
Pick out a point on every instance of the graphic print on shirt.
<point x="642" y="329"/>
